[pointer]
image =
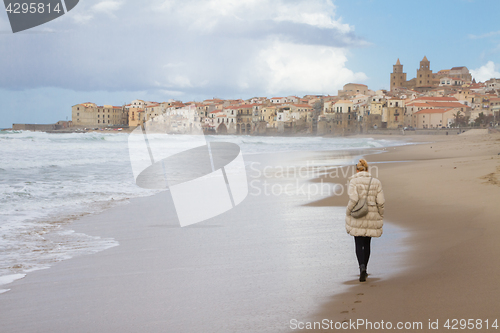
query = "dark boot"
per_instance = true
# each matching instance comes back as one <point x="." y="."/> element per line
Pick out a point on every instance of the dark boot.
<point x="362" y="273"/>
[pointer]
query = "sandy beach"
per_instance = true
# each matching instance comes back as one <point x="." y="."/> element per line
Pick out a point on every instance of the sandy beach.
<point x="446" y="193"/>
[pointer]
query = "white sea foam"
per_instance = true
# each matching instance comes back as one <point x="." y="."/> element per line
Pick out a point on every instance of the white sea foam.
<point x="6" y="279"/>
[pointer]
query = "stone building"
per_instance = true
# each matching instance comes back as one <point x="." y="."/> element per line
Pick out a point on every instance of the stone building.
<point x="424" y="74"/>
<point x="426" y="80"/>
<point x="338" y="123"/>
<point x="91" y="115"/>
<point x="244" y="119"/>
<point x="153" y="110"/>
<point x="352" y="89"/>
<point x="136" y="117"/>
<point x="398" y="78"/>
<point x="430" y="103"/>
<point x="435" y="118"/>
<point x="451" y="82"/>
<point x="343" y="106"/>
<point x="268" y="114"/>
<point x="376" y="104"/>
<point x="393" y="114"/>
<point x="460" y="73"/>
<point x="371" y="121"/>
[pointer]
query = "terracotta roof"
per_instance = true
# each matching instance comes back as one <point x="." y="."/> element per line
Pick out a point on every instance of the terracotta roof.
<point x="435" y="99"/>
<point x="447" y="104"/>
<point x="358" y="84"/>
<point x="433" y="111"/>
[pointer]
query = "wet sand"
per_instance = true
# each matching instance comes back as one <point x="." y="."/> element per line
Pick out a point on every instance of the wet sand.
<point x="447" y="196"/>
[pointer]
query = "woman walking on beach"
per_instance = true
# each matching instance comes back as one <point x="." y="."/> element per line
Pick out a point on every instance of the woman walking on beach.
<point x="364" y="214"/>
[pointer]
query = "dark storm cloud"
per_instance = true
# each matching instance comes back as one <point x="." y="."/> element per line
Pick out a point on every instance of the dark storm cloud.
<point x="123" y="46"/>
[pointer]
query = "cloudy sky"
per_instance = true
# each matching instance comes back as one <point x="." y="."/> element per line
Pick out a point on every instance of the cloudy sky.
<point x="114" y="51"/>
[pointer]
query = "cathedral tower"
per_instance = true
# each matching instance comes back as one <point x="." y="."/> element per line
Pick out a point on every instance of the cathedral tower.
<point x="424" y="74"/>
<point x="398" y="78"/>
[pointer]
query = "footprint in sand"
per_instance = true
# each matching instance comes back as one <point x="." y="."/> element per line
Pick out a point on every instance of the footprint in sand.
<point x="360" y="294"/>
<point x="357" y="301"/>
<point x="345" y="312"/>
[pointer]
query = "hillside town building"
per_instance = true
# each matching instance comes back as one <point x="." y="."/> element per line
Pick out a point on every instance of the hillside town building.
<point x="430" y="100"/>
<point x="91" y="115"/>
<point x="426" y="80"/>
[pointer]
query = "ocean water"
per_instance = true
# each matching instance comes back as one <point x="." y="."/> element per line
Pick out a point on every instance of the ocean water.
<point x="48" y="180"/>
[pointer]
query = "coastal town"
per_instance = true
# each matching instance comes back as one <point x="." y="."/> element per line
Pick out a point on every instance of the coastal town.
<point x="445" y="99"/>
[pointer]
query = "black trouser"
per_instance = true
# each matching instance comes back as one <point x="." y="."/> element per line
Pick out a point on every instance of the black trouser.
<point x="362" y="249"/>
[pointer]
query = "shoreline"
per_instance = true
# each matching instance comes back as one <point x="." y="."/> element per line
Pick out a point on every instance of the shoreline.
<point x="254" y="259"/>
<point x="125" y="280"/>
<point x="390" y="133"/>
<point x="445" y="194"/>
<point x="65" y="220"/>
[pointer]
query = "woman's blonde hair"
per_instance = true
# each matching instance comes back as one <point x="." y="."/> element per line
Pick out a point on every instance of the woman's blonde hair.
<point x="362" y="165"/>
